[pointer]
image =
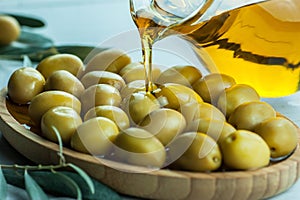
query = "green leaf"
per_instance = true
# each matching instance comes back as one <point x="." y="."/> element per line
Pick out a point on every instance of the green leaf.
<point x="30" y="44"/>
<point x="52" y="184"/>
<point x="81" y="51"/>
<point x="101" y="191"/>
<point x="38" y="53"/>
<point x="69" y="182"/>
<point x="3" y="185"/>
<point x="30" y="39"/>
<point x="27" y="62"/>
<point x="37" y="47"/>
<point x="27" y="20"/>
<point x="33" y="189"/>
<point x="35" y="53"/>
<point x="14" y="177"/>
<point x="84" y="176"/>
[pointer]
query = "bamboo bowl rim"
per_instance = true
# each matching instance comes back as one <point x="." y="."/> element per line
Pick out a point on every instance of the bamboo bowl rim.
<point x="160" y="184"/>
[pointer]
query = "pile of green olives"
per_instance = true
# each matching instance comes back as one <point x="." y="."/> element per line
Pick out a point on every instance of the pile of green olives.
<point x="188" y="121"/>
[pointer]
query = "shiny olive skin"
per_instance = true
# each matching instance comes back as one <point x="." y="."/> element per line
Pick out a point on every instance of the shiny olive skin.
<point x="136" y="71"/>
<point x="165" y="124"/>
<point x="138" y="105"/>
<point x="42" y="102"/>
<point x="248" y="115"/>
<point x="217" y="129"/>
<point x="113" y="113"/>
<point x="139" y="147"/>
<point x="68" y="62"/>
<point x="112" y="60"/>
<point x="62" y="119"/>
<point x="195" y="111"/>
<point x="173" y="95"/>
<point x="24" y="84"/>
<point x="64" y="81"/>
<point x="210" y="86"/>
<point x="245" y="150"/>
<point x="234" y="96"/>
<point x="95" y="136"/>
<point x="280" y="134"/>
<point x="180" y="74"/>
<point x="105" y="77"/>
<point x="134" y="86"/>
<point x="10" y="29"/>
<point x="100" y="94"/>
<point x="202" y="155"/>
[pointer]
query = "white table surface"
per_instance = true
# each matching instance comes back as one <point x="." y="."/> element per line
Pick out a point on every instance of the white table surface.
<point x="103" y="23"/>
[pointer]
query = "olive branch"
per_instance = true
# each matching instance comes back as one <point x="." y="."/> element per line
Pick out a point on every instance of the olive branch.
<point x="36" y="179"/>
<point x="33" y="187"/>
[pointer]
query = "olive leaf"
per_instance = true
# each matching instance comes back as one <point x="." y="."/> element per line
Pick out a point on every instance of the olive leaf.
<point x="51" y="183"/>
<point x="36" y="54"/>
<point x="31" y="39"/>
<point x="27" y="62"/>
<point x="28" y="43"/>
<point x="37" y="47"/>
<point x="84" y="176"/>
<point x="26" y="20"/>
<point x="33" y="189"/>
<point x="3" y="185"/>
<point x="70" y="183"/>
<point x="82" y="51"/>
<point x="101" y="191"/>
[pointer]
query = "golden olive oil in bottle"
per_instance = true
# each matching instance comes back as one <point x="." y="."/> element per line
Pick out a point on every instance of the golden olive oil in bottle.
<point x="257" y="44"/>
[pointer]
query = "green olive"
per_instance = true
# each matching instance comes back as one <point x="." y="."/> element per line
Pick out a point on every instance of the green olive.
<point x="280" y="134"/>
<point x="100" y="94"/>
<point x="64" y="81"/>
<point x="234" y="96"/>
<point x="61" y="119"/>
<point x="164" y="123"/>
<point x="194" y="111"/>
<point x="113" y="113"/>
<point x="134" y="86"/>
<point x="210" y="86"/>
<point x="180" y="74"/>
<point x="10" y="29"/>
<point x="202" y="155"/>
<point x="112" y="60"/>
<point x="173" y="95"/>
<point x="42" y="102"/>
<point x="105" y="77"/>
<point x="136" y="71"/>
<point x="249" y="115"/>
<point x="139" y="105"/>
<point x="139" y="147"/>
<point x="95" y="136"/>
<point x="24" y="84"/>
<point x="68" y="62"/>
<point x="245" y="150"/>
<point x="217" y="129"/>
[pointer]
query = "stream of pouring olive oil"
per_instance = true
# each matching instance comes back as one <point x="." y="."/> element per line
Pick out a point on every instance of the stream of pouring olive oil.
<point x="257" y="44"/>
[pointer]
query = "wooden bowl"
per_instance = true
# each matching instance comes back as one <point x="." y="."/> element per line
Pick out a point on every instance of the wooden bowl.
<point x="159" y="184"/>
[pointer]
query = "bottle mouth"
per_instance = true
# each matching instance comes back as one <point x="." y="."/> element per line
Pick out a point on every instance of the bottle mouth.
<point x="187" y="9"/>
<point x="180" y="8"/>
